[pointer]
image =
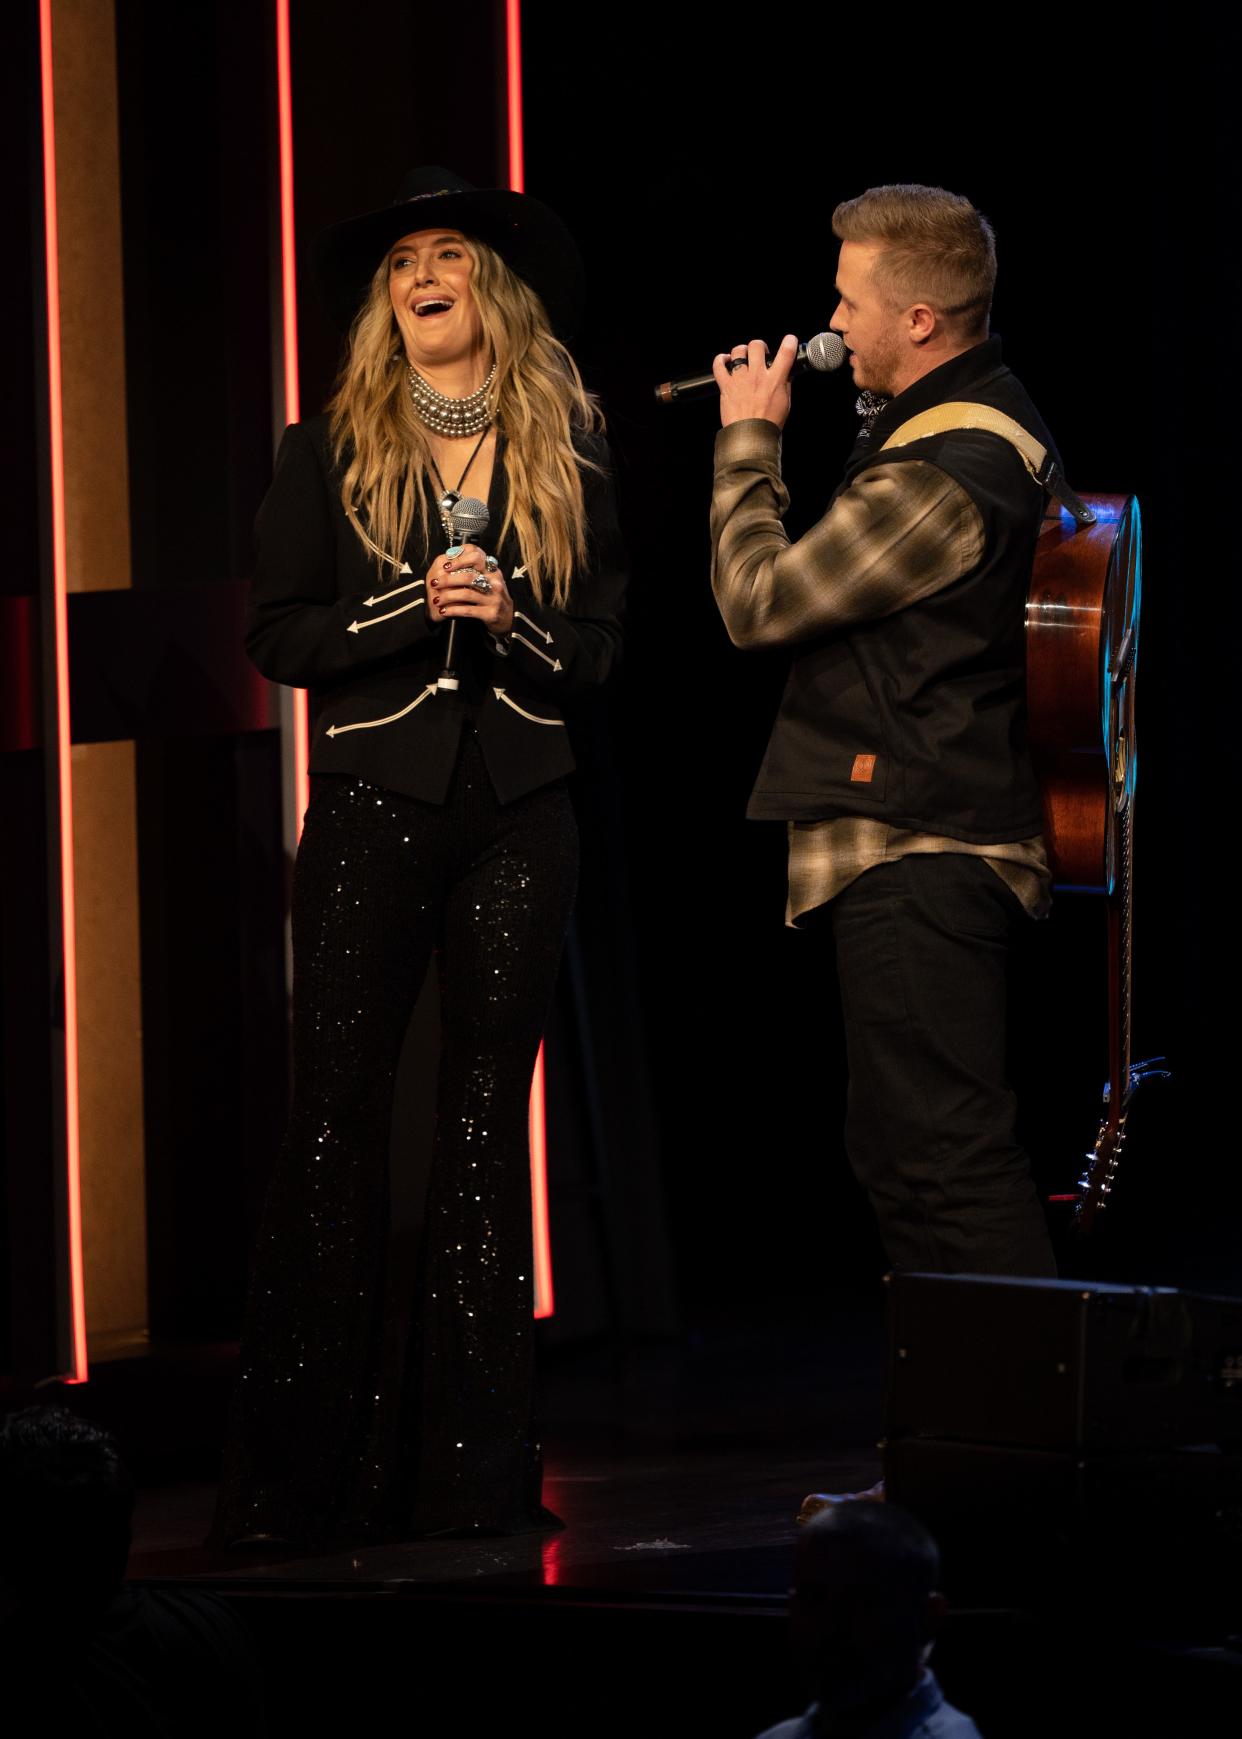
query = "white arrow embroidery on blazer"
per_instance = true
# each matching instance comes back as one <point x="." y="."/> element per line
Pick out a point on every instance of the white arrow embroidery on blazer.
<point x="383" y="597"/>
<point x="554" y="662"/>
<point x="357" y="627"/>
<point x="533" y="717"/>
<point x="370" y="724"/>
<point x="534" y="627"/>
<point x="401" y="567"/>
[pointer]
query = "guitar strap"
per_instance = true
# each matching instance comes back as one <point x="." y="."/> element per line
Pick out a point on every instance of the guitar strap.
<point x="965" y="414"/>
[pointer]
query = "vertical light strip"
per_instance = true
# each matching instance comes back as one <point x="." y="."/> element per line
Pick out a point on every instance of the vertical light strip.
<point x="60" y="608"/>
<point x="289" y="328"/>
<point x="538" y="1120"/>
<point x="544" y="1302"/>
<point x="513" y="83"/>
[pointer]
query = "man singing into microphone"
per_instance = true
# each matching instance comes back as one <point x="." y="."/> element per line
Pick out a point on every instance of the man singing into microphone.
<point x="898" y="758"/>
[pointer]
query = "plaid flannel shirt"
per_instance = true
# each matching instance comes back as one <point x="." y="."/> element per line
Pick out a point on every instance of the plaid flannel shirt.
<point x="897" y="534"/>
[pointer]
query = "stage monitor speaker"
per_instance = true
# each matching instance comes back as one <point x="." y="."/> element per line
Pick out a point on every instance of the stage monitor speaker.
<point x="1065" y="1439"/>
<point x="1061" y="1364"/>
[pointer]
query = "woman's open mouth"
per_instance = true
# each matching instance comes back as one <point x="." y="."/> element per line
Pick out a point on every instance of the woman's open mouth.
<point x="429" y="309"/>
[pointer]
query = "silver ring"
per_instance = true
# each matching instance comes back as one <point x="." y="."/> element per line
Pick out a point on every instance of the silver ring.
<point x="481" y="583"/>
<point x="491" y="564"/>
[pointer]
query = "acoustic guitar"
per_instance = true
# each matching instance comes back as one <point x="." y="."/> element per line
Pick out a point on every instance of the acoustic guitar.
<point x="1082" y="630"/>
<point x="1082" y="637"/>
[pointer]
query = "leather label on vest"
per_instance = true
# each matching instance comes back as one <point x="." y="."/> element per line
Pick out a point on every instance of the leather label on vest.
<point x="863" y="770"/>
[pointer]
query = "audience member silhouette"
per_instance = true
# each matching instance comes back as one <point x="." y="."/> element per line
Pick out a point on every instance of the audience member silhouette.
<point x="865" y="1609"/>
<point x="129" y="1659"/>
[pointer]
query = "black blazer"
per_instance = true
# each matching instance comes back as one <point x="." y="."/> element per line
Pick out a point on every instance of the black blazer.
<point x="325" y="615"/>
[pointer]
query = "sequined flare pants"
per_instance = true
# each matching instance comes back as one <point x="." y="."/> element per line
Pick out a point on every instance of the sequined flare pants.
<point x="332" y="1432"/>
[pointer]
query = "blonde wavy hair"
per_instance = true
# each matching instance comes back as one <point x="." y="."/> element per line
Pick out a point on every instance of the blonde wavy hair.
<point x="540" y="402"/>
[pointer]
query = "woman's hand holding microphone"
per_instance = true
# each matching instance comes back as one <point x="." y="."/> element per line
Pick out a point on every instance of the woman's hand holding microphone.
<point x="467" y="584"/>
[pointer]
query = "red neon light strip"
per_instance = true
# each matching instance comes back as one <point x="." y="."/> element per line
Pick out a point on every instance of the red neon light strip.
<point x="538" y="1122"/>
<point x="544" y="1301"/>
<point x="513" y="50"/>
<point x="60" y="596"/>
<point x="289" y="323"/>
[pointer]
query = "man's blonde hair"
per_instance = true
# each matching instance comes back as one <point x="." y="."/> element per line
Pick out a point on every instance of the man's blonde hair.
<point x="935" y="248"/>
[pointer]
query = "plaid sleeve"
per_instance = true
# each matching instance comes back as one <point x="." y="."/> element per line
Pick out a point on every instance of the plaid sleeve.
<point x="898" y="533"/>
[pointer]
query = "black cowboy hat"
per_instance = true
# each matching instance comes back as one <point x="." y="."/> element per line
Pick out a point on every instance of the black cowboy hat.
<point x="528" y="236"/>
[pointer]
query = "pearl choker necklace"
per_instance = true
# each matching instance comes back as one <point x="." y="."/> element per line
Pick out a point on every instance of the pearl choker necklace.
<point x="445" y="415"/>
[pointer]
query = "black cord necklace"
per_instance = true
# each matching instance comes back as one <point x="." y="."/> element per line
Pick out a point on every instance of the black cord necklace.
<point x="449" y="498"/>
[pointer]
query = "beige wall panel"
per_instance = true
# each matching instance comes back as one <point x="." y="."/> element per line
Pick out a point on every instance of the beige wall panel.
<point x="88" y="177"/>
<point x="98" y="550"/>
<point x="105" y="851"/>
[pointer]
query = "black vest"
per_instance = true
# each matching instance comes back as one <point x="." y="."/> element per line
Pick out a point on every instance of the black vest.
<point x="936" y="693"/>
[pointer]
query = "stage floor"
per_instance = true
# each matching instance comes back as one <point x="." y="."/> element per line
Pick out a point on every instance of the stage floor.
<point x="676" y="1471"/>
<point x="691" y="1522"/>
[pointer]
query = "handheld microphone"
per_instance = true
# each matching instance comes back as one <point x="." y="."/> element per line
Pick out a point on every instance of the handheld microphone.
<point x="822" y="353"/>
<point x="468" y="518"/>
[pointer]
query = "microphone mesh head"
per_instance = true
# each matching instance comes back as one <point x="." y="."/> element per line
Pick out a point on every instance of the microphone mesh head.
<point x="825" y="351"/>
<point x="469" y="518"/>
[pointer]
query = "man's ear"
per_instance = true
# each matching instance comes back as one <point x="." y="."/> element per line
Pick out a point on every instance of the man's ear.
<point x="922" y="323"/>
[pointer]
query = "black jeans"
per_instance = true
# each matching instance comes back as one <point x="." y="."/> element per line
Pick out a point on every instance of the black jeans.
<point x="922" y="946"/>
<point x="334" y="1432"/>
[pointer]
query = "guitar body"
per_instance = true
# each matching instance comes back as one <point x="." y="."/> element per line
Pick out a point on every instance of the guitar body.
<point x="1082" y="620"/>
<point x="1082" y="628"/>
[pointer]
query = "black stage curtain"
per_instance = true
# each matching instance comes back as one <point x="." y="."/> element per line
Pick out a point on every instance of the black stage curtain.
<point x="701" y="177"/>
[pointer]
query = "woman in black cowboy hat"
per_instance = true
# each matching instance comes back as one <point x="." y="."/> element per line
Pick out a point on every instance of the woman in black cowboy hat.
<point x="439" y="563"/>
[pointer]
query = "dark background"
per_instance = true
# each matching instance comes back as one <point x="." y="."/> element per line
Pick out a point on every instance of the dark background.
<point x="701" y="177"/>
